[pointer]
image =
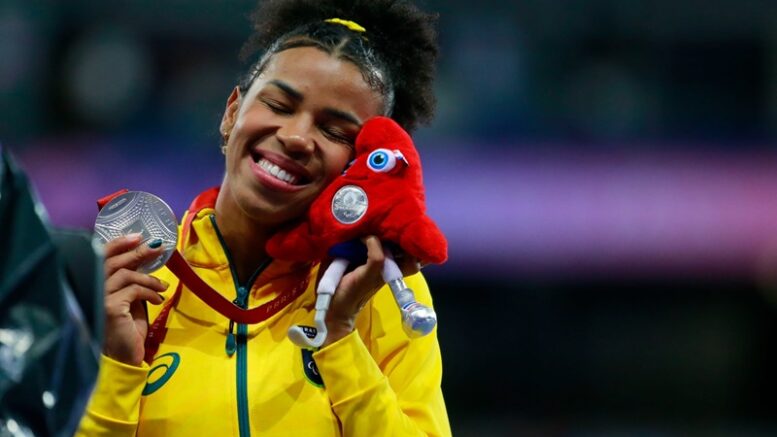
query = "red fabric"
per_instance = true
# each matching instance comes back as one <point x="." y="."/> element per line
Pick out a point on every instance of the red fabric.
<point x="101" y="202"/>
<point x="396" y="210"/>
<point x="157" y="331"/>
<point x="206" y="199"/>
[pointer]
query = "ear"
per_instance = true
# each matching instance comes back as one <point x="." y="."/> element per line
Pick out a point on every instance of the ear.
<point x="230" y="112"/>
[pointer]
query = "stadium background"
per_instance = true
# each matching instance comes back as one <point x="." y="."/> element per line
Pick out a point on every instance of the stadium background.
<point x="606" y="173"/>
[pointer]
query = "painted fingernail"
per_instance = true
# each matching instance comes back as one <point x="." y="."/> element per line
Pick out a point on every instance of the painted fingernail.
<point x="155" y="243"/>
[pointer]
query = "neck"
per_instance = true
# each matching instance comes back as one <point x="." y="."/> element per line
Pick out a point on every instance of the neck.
<point x="245" y="239"/>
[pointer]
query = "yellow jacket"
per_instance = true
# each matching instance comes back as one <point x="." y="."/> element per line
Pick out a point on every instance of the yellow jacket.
<point x="373" y="382"/>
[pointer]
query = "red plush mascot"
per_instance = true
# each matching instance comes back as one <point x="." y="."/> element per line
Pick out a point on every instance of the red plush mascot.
<point x="381" y="193"/>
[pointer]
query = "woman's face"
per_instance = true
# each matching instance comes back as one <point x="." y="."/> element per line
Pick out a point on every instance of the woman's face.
<point x="293" y="132"/>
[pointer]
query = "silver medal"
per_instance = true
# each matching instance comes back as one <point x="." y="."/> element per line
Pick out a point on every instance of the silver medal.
<point x="139" y="212"/>
<point x="349" y="204"/>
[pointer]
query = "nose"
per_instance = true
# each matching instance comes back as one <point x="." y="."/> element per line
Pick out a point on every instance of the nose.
<point x="295" y="136"/>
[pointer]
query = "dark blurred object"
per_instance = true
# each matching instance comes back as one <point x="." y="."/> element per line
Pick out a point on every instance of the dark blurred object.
<point x="50" y="315"/>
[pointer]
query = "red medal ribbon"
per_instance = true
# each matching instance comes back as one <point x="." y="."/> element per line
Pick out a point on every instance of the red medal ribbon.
<point x="101" y="202"/>
<point x="213" y="299"/>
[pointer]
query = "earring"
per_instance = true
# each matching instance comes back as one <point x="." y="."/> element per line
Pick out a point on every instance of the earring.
<point x="225" y="138"/>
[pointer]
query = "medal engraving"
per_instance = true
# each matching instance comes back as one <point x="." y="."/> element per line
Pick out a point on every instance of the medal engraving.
<point x="139" y="212"/>
<point x="349" y="204"/>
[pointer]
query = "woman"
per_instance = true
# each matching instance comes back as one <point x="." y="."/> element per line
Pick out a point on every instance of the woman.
<point x="288" y="131"/>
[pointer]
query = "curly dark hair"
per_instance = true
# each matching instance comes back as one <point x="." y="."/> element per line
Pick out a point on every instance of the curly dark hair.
<point x="396" y="54"/>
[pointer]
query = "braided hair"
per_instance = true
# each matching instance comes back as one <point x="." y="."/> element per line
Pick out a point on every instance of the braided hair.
<point x="396" y="53"/>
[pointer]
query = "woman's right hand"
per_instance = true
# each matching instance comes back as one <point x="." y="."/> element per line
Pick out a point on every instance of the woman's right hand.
<point x="126" y="321"/>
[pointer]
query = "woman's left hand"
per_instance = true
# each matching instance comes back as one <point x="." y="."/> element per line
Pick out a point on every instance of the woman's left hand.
<point x="357" y="288"/>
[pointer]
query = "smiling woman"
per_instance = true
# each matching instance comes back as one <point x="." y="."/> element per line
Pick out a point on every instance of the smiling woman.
<point x="324" y="68"/>
<point x="300" y="117"/>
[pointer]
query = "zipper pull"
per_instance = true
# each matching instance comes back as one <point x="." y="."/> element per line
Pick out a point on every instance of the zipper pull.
<point x="242" y="297"/>
<point x="231" y="343"/>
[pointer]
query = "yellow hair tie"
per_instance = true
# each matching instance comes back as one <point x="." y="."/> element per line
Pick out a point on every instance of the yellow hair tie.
<point x="347" y="23"/>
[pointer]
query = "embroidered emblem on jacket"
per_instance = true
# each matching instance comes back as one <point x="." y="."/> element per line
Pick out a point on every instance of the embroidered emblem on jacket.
<point x="164" y="367"/>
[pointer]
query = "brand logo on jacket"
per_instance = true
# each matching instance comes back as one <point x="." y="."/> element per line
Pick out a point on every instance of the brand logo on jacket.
<point x="308" y="363"/>
<point x="163" y="368"/>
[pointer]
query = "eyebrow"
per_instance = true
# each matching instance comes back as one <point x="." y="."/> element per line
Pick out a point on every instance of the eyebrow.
<point x="298" y="96"/>
<point x="343" y="116"/>
<point x="288" y="89"/>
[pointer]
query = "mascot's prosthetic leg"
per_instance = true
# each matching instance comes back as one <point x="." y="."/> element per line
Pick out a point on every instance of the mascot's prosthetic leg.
<point x="417" y="319"/>
<point x="381" y="193"/>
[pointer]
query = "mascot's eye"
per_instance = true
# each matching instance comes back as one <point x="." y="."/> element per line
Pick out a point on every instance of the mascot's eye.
<point x="382" y="160"/>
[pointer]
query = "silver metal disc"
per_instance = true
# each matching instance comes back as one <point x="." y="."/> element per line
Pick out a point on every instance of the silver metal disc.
<point x="139" y="212"/>
<point x="349" y="204"/>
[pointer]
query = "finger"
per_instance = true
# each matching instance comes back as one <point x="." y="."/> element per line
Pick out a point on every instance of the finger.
<point x="373" y="268"/>
<point x="133" y="259"/>
<point x="139" y="310"/>
<point x="121" y="244"/>
<point x="127" y="295"/>
<point x="355" y="290"/>
<point x="375" y="252"/>
<point x="409" y="265"/>
<point x="125" y="277"/>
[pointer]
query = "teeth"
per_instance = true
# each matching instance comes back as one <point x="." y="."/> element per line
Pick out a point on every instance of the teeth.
<point x="283" y="175"/>
<point x="277" y="172"/>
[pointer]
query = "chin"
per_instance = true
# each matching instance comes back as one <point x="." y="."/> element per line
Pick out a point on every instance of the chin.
<point x="265" y="212"/>
<point x="267" y="207"/>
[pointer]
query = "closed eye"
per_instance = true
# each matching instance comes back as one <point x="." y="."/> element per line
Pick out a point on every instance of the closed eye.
<point x="338" y="135"/>
<point x="277" y="107"/>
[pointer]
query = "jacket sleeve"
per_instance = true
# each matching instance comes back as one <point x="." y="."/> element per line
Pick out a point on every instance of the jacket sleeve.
<point x="114" y="407"/>
<point x="382" y="383"/>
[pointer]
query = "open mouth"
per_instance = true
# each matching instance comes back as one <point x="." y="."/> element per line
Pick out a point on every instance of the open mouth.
<point x="277" y="172"/>
<point x="280" y="168"/>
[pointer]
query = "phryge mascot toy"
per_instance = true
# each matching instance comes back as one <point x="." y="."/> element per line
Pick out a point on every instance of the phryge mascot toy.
<point x="381" y="193"/>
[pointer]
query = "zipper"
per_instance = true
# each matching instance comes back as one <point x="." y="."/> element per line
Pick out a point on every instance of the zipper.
<point x="238" y="344"/>
<point x="242" y="368"/>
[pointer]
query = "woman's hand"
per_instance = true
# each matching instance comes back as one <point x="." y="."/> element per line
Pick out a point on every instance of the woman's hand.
<point x="357" y="287"/>
<point x="126" y="321"/>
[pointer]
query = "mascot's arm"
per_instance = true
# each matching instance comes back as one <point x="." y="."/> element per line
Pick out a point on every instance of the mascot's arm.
<point x="412" y="230"/>
<point x="382" y="383"/>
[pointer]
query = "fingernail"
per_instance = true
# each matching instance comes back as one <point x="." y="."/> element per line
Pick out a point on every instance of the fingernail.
<point x="133" y="236"/>
<point x="155" y="243"/>
<point x="164" y="284"/>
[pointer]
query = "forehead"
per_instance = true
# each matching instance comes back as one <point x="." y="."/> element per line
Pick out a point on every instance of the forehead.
<point x="322" y="79"/>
